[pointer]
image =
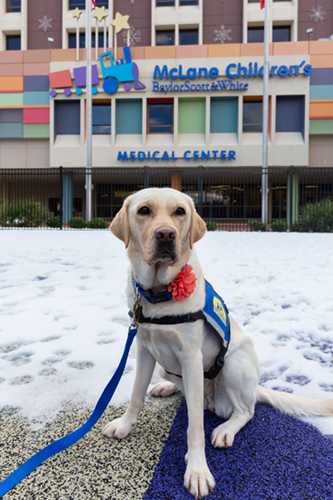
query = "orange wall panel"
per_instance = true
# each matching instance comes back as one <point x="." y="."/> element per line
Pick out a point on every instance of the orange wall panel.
<point x="321" y="48"/>
<point x="321" y="108"/>
<point x="191" y="51"/>
<point x="11" y="83"/>
<point x="321" y="61"/>
<point x="224" y="50"/>
<point x="290" y="48"/>
<point x="254" y="49"/>
<point x="160" y="52"/>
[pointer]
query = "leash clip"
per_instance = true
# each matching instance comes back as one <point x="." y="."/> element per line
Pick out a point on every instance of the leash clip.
<point x="137" y="308"/>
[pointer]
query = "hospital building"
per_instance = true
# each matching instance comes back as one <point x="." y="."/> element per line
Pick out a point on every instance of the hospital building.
<point x="177" y="101"/>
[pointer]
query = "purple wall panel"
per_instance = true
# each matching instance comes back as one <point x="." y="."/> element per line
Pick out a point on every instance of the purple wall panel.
<point x="322" y="76"/>
<point x="36" y="83"/>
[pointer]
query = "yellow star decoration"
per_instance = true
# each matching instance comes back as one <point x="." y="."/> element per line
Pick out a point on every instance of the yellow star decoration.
<point x="100" y="13"/>
<point x="120" y="22"/>
<point x="77" y="12"/>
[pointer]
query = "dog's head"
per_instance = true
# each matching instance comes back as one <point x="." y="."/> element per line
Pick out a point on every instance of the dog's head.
<point x="161" y="224"/>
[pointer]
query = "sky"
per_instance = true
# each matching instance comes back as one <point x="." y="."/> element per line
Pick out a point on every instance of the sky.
<point x="63" y="313"/>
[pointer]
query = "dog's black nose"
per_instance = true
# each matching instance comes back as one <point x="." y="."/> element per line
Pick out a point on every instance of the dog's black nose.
<point x="165" y="234"/>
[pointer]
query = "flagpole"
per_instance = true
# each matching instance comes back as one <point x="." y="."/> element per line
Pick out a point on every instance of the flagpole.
<point x="264" y="177"/>
<point x="88" y="114"/>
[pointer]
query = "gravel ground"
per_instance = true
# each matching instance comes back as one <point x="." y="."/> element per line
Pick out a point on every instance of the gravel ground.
<point x="94" y="468"/>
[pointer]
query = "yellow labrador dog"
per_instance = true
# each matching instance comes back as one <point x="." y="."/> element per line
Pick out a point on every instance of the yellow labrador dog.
<point x="159" y="228"/>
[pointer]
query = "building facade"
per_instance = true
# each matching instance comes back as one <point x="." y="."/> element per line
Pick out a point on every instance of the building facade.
<point x="182" y="88"/>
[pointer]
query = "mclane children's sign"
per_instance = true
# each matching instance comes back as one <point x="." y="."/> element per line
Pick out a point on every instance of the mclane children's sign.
<point x="179" y="80"/>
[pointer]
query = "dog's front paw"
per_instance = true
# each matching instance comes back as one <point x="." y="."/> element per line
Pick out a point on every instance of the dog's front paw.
<point x="222" y="437"/>
<point x="199" y="483"/>
<point x="163" y="389"/>
<point x="118" y="428"/>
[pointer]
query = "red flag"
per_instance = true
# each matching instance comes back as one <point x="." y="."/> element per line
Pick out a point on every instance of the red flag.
<point x="262" y="4"/>
<point x="92" y="4"/>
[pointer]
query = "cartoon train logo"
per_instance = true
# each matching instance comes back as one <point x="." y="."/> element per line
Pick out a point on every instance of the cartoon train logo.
<point x="123" y="71"/>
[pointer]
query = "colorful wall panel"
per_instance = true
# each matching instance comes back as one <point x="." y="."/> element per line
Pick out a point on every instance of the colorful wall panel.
<point x="11" y="130"/>
<point x="128" y="116"/>
<point x="224" y="115"/>
<point x="36" y="131"/>
<point x="192" y="116"/>
<point x="39" y="115"/>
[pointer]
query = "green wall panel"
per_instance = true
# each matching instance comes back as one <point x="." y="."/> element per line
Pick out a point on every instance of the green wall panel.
<point x="192" y="116"/>
<point x="11" y="130"/>
<point x="321" y="92"/>
<point x="129" y="116"/>
<point x="224" y="115"/>
<point x="321" y="127"/>
<point x="11" y="99"/>
<point x="36" y="131"/>
<point x="36" y="98"/>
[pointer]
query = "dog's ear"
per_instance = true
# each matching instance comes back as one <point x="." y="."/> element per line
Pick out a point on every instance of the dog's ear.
<point x="198" y="226"/>
<point x="119" y="226"/>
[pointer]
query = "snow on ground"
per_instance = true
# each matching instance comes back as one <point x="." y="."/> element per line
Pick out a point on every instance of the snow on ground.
<point x="63" y="313"/>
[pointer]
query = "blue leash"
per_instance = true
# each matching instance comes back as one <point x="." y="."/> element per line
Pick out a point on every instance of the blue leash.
<point x="67" y="441"/>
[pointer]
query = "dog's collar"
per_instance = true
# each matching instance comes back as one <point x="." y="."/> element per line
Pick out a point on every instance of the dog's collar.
<point x="154" y="298"/>
<point x="179" y="289"/>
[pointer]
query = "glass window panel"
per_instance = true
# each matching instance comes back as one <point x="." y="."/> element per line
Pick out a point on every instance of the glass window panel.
<point x="165" y="38"/>
<point x="82" y="40"/>
<point x="188" y="2"/>
<point x="13" y="42"/>
<point x="255" y="35"/>
<point x="188" y="37"/>
<point x="13" y="6"/>
<point x="81" y="4"/>
<point x="160" y="118"/>
<point x="101" y="118"/>
<point x="252" y="116"/>
<point x="281" y="33"/>
<point x="165" y="3"/>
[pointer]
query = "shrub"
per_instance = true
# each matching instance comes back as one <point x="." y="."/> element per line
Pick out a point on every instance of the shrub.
<point x="256" y="225"/>
<point x="279" y="226"/>
<point x="53" y="222"/>
<point x="315" y="217"/>
<point x="77" y="223"/>
<point x="210" y="225"/>
<point x="29" y="213"/>
<point x="97" y="224"/>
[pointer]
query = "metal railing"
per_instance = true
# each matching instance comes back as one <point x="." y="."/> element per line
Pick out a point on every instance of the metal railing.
<point x="300" y="199"/>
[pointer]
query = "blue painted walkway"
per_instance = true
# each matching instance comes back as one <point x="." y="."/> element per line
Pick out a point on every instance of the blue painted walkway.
<point x="275" y="457"/>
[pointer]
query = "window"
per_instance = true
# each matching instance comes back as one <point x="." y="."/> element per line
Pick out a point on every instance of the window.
<point x="290" y="113"/>
<point x="66" y="117"/>
<point x="165" y="3"/>
<point x="13" y="42"/>
<point x="81" y="4"/>
<point x="160" y="117"/>
<point x="255" y="35"/>
<point x="188" y="37"/>
<point x="252" y="116"/>
<point x="188" y="2"/>
<point x="13" y="6"/>
<point x="281" y="33"/>
<point x="101" y="118"/>
<point x="165" y="37"/>
<point x="82" y="40"/>
<point x="224" y="115"/>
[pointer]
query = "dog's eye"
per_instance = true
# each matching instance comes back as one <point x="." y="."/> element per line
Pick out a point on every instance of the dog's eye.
<point x="144" y="211"/>
<point x="180" y="211"/>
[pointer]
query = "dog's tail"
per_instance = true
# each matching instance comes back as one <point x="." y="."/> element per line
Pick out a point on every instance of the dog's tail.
<point x="294" y="405"/>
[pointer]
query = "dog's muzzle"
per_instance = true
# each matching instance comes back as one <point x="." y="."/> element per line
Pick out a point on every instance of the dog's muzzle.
<point x="165" y="238"/>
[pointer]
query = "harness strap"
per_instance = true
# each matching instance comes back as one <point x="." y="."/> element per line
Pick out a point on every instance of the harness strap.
<point x="168" y="320"/>
<point x="186" y="318"/>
